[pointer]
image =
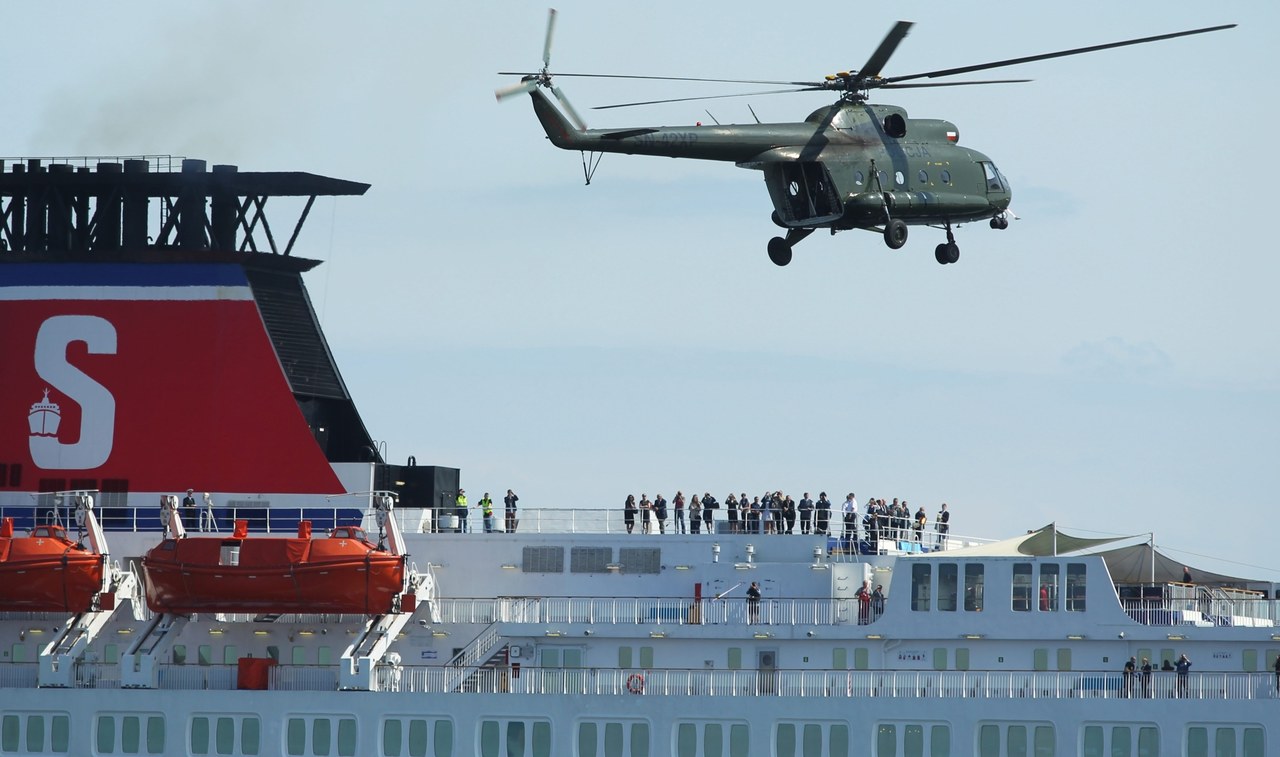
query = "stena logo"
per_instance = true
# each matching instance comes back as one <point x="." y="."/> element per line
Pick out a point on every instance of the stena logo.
<point x="98" y="407"/>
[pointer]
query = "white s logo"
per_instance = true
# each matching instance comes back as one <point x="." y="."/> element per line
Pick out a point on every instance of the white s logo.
<point x="97" y="406"/>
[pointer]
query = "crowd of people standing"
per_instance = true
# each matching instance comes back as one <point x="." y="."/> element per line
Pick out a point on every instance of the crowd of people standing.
<point x="776" y="513"/>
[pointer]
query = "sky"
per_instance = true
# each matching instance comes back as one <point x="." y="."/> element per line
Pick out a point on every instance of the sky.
<point x="1109" y="363"/>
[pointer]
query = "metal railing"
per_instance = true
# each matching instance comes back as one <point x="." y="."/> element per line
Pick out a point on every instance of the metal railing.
<point x="655" y="611"/>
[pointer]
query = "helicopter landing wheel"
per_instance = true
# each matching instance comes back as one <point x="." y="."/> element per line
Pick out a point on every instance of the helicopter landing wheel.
<point x="895" y="233"/>
<point x="999" y="222"/>
<point x="953" y="252"/>
<point x="940" y="254"/>
<point x="779" y="251"/>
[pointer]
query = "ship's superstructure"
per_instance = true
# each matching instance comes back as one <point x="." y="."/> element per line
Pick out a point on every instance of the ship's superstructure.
<point x="220" y="623"/>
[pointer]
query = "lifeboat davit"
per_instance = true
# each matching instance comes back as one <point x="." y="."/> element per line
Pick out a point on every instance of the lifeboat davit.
<point x="341" y="573"/>
<point x="45" y="571"/>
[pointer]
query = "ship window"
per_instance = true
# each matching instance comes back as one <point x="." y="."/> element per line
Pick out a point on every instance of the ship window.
<point x="321" y="732"/>
<point x="687" y="740"/>
<point x="973" y="587"/>
<point x="418" y="738"/>
<point x="229" y="655"/>
<point x="204" y="654"/>
<point x="947" y="587"/>
<point x="155" y="735"/>
<point x="1249" y="660"/>
<point x="179" y="654"/>
<point x="18" y="653"/>
<point x="939" y="658"/>
<point x="1040" y="659"/>
<point x="1045" y="741"/>
<point x="250" y="730"/>
<point x="1121" y="742"/>
<point x="347" y="737"/>
<point x="624" y="656"/>
<point x="713" y="739"/>
<point x="515" y="738"/>
<point x="200" y="735"/>
<point x="962" y="658"/>
<point x="324" y="655"/>
<point x="786" y="740"/>
<point x="35" y="733"/>
<point x="612" y="740"/>
<point x="1224" y="742"/>
<point x="224" y="735"/>
<point x="812" y="740"/>
<point x="989" y="741"/>
<point x="1049" y="587"/>
<point x="646" y="657"/>
<point x="839" y="746"/>
<point x="860" y="656"/>
<point x="1064" y="659"/>
<point x="111" y="654"/>
<point x="913" y="741"/>
<point x="1017" y="741"/>
<point x="1149" y="743"/>
<point x="60" y="737"/>
<point x="391" y="738"/>
<point x="1253" y="742"/>
<point x="920" y="575"/>
<point x="887" y="740"/>
<point x="840" y="658"/>
<point x="299" y="656"/>
<point x="640" y="740"/>
<point x="297" y="736"/>
<point x="940" y="741"/>
<point x="9" y="734"/>
<point x="1075" y="587"/>
<point x="734" y="658"/>
<point x="1022" y="587"/>
<point x="106" y="734"/>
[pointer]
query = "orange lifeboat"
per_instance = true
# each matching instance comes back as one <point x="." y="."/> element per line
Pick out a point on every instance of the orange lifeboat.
<point x="45" y="571"/>
<point x="343" y="573"/>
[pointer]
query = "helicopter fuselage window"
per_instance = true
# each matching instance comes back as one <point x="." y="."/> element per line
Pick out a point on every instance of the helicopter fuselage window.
<point x="945" y="176"/>
<point x="857" y="178"/>
<point x="923" y="176"/>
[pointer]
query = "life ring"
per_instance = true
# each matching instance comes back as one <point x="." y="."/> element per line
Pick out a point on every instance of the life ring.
<point x="635" y="683"/>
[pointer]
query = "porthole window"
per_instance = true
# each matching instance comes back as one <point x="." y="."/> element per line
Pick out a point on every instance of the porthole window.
<point x="923" y="176"/>
<point x="884" y="179"/>
<point x="857" y="178"/>
<point x="899" y="179"/>
<point x="945" y="176"/>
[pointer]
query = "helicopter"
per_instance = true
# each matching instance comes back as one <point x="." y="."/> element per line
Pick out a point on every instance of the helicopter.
<point x="853" y="164"/>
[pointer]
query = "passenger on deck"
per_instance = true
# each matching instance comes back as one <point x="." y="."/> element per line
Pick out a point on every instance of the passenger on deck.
<point x="629" y="513"/>
<point x="850" y="510"/>
<point x="646" y="513"/>
<point x="877" y="602"/>
<point x="1130" y="668"/>
<point x="509" y="502"/>
<point x="660" y="510"/>
<point x="1146" y="678"/>
<point x="921" y="519"/>
<point x="864" y="603"/>
<point x="709" y="506"/>
<point x="822" y="523"/>
<point x="805" y="506"/>
<point x="1183" y="667"/>
<point x="695" y="515"/>
<point x="678" y="504"/>
<point x="943" y="525"/>
<point x="460" y="510"/>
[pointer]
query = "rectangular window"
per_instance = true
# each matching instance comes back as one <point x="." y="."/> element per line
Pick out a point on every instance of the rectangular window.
<point x="646" y="657"/>
<point x="1064" y="659"/>
<point x="587" y="739"/>
<point x="541" y="738"/>
<point x="887" y="740"/>
<point x="948" y="587"/>
<point x="812" y="743"/>
<point x="861" y="658"/>
<point x="297" y="736"/>
<point x="250" y="736"/>
<point x="35" y="733"/>
<point x="989" y="741"/>
<point x="10" y="734"/>
<point x="1253" y="742"/>
<point x="962" y="658"/>
<point x="1092" y="746"/>
<point x="1017" y="741"/>
<point x="418" y="737"/>
<point x="61" y="737"/>
<point x="321" y="732"/>
<point x="939" y="658"/>
<point x="913" y="741"/>
<point x="734" y="661"/>
<point x="106" y="734"/>
<point x="298" y="656"/>
<point x="1022" y="587"/>
<point x="200" y="735"/>
<point x="179" y="654"/>
<point x="1039" y="660"/>
<point x="785" y="740"/>
<point x="1121" y="742"/>
<point x="204" y="654"/>
<point x="1224" y="742"/>
<point x="392" y="738"/>
<point x="940" y="741"/>
<point x="1075" y="587"/>
<point x="1249" y="660"/>
<point x="1149" y="742"/>
<point x="624" y="657"/>
<point x="739" y="741"/>
<point x="687" y="740"/>
<point x="155" y="735"/>
<point x="1045" y="741"/>
<point x="1197" y="742"/>
<point x="1048" y="594"/>
<point x="921" y="574"/>
<point x="713" y="740"/>
<point x="224" y="735"/>
<point x="613" y="739"/>
<point x="973" y="587"/>
<point x="840" y="658"/>
<point x="839" y="746"/>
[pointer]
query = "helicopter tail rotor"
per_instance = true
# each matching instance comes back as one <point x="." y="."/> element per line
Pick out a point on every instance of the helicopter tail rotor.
<point x="531" y="81"/>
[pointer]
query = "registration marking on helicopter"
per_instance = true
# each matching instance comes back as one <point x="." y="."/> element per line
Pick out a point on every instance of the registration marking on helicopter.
<point x="668" y="138"/>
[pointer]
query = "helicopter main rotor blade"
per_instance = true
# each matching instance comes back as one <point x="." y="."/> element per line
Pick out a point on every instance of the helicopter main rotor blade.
<point x="916" y="85"/>
<point x="707" y="97"/>
<point x="880" y="57"/>
<point x="671" y="78"/>
<point x="551" y="27"/>
<point x="1045" y="56"/>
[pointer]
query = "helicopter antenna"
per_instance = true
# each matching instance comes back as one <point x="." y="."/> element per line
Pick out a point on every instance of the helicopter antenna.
<point x="713" y="118"/>
<point x="753" y="113"/>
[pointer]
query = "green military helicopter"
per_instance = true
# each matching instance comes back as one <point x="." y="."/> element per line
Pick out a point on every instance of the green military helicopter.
<point x="850" y="165"/>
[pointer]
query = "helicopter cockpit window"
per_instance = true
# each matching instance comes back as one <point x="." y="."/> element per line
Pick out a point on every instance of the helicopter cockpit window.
<point x="857" y="178"/>
<point x="899" y="179"/>
<point x="995" y="182"/>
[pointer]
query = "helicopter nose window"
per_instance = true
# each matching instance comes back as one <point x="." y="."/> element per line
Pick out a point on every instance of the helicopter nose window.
<point x="995" y="182"/>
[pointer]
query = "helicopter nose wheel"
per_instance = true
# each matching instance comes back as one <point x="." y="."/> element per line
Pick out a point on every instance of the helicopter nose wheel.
<point x="895" y="233"/>
<point x="999" y="222"/>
